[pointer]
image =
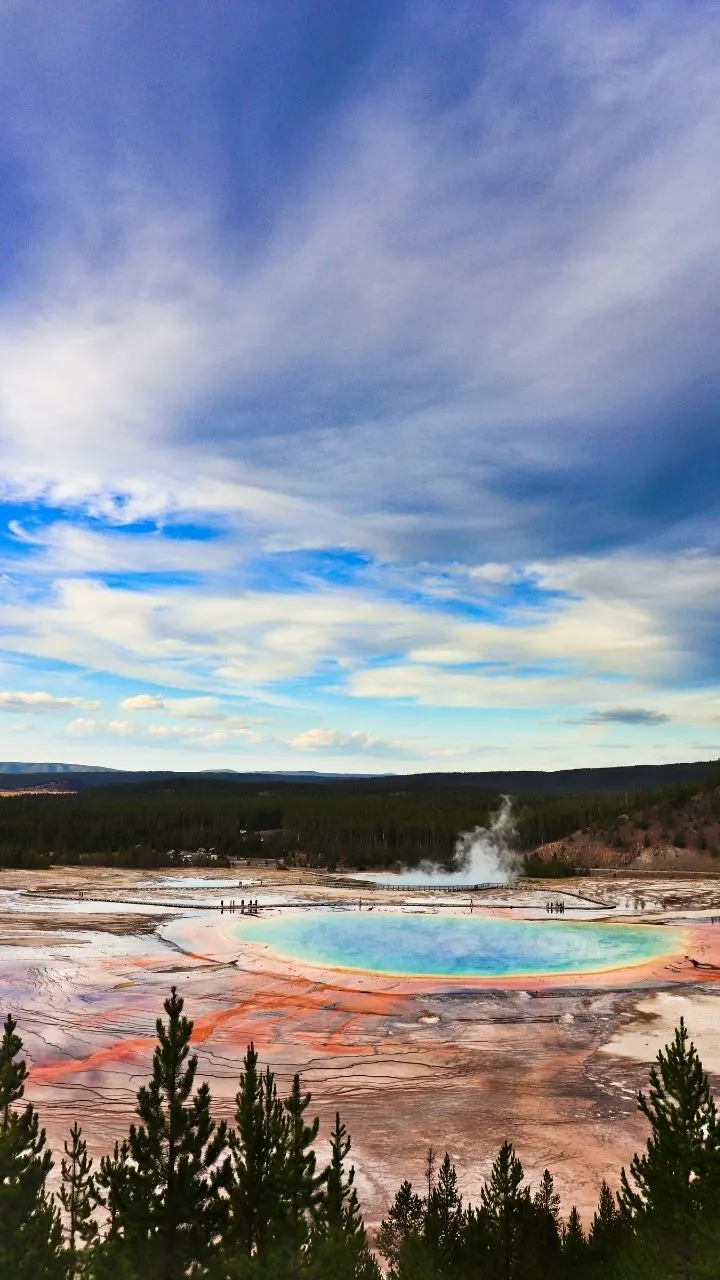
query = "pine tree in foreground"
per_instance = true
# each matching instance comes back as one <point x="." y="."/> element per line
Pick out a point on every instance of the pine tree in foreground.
<point x="546" y="1227"/>
<point x="303" y="1186"/>
<point x="338" y="1248"/>
<point x="606" y="1234"/>
<point x="503" y="1215"/>
<point x="259" y="1151"/>
<point x="670" y="1201"/>
<point x="444" y="1219"/>
<point x="109" y="1187"/>
<point x="30" y="1230"/>
<point x="176" y="1208"/>
<point x="574" y="1248"/>
<point x="405" y="1222"/>
<point x="340" y="1209"/>
<point x="167" y="1210"/>
<point x="77" y="1197"/>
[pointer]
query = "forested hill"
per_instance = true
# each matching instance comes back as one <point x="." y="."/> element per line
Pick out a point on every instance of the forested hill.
<point x="358" y="823"/>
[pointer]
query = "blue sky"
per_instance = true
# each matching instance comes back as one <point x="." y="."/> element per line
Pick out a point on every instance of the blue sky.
<point x="359" y="384"/>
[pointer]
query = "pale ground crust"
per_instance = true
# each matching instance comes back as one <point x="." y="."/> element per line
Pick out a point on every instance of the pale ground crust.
<point x="553" y="1065"/>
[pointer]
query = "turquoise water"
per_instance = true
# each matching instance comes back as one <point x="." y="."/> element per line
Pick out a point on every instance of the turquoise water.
<point x="446" y="946"/>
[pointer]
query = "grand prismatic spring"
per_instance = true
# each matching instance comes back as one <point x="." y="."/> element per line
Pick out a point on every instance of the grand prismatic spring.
<point x="456" y="947"/>
<point x="451" y="1019"/>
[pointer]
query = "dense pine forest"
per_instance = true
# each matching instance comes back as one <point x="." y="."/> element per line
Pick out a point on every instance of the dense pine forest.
<point x="183" y="1195"/>
<point x="355" y="823"/>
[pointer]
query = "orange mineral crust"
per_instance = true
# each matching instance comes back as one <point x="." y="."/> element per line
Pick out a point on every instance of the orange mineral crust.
<point x="461" y="1064"/>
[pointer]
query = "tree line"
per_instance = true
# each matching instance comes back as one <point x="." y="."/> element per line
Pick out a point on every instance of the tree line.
<point x="358" y="827"/>
<point x="185" y="1196"/>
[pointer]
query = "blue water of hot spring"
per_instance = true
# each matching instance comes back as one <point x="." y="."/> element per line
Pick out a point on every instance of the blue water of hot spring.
<point x="456" y="947"/>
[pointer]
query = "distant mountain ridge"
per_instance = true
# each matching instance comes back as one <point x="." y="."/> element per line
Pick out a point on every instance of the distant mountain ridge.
<point x="15" y="766"/>
<point x="606" y="779"/>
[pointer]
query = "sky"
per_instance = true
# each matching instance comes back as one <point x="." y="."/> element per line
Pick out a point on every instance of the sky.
<point x="359" y="383"/>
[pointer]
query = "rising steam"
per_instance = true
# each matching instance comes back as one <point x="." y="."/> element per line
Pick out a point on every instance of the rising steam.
<point x="487" y="853"/>
<point x="482" y="856"/>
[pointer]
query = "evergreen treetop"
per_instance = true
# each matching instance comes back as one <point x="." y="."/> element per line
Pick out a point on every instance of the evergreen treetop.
<point x="30" y="1230"/>
<point x="168" y="1210"/>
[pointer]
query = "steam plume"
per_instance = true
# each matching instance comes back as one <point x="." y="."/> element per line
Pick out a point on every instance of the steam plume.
<point x="487" y="853"/>
<point x="482" y="856"/>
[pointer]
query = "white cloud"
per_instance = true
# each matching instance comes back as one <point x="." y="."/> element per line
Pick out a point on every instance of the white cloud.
<point x="327" y="739"/>
<point x="505" y="308"/>
<point x="416" y="366"/>
<point x="14" y="700"/>
<point x="642" y="620"/>
<point x="228" y="732"/>
<point x="143" y="702"/>
<point x="83" y="726"/>
<point x="206" y="708"/>
<point x="123" y="728"/>
<point x="314" y="739"/>
<point x="67" y="548"/>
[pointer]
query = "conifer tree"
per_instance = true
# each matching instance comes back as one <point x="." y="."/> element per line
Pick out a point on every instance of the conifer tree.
<point x="30" y="1229"/>
<point x="574" y="1248"/>
<point x="339" y="1245"/>
<point x="405" y="1221"/>
<point x="77" y="1195"/>
<point x="340" y="1207"/>
<point x="444" y="1218"/>
<point x="167" y="1210"/>
<point x="109" y="1185"/>
<point x="670" y="1198"/>
<point x="303" y="1186"/>
<point x="545" y="1228"/>
<point x="606" y="1232"/>
<point x="546" y="1198"/>
<point x="504" y="1213"/>
<point x="259" y="1147"/>
<point x="417" y="1262"/>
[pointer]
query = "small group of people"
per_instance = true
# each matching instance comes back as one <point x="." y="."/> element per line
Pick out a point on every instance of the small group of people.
<point x="246" y="909"/>
<point x="555" y="908"/>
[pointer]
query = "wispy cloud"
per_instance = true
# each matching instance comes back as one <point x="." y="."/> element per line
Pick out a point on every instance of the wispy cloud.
<point x="464" y="310"/>
<point x="627" y="715"/>
<point x="14" y="700"/>
<point x="143" y="702"/>
<point x="334" y="740"/>
<point x="82" y="727"/>
<point x="459" y="320"/>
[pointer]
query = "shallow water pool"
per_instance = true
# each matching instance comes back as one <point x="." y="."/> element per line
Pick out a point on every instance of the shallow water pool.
<point x="467" y="947"/>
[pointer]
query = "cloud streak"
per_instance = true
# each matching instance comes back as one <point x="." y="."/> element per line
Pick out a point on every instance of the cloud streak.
<point x="420" y="414"/>
<point x="628" y="715"/>
<point x="39" y="702"/>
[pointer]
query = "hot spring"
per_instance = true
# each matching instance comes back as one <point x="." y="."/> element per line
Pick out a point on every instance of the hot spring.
<point x="452" y="947"/>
